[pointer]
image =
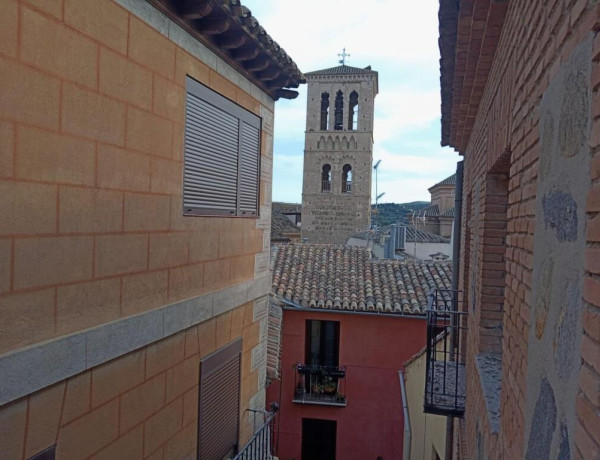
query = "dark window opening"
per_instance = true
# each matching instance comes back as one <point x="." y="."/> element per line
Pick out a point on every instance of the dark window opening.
<point x="339" y="111"/>
<point x="347" y="179"/>
<point x="326" y="178"/>
<point x="353" y="111"/>
<point x="322" y="343"/>
<point x="318" y="439"/>
<point x="324" y="111"/>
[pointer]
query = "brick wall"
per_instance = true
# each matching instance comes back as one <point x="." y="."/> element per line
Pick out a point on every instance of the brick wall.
<point x="142" y="405"/>
<point x="538" y="39"/>
<point x="91" y="123"/>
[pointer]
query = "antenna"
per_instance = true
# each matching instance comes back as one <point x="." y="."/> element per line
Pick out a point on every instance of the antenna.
<point x="377" y="195"/>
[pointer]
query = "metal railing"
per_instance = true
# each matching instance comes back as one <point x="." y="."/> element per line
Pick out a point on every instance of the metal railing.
<point x="260" y="446"/>
<point x="320" y="385"/>
<point x="326" y="186"/>
<point x="445" y="367"/>
<point x="347" y="187"/>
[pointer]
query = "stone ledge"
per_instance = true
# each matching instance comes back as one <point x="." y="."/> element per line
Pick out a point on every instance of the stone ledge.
<point x="489" y="366"/>
<point x="30" y="369"/>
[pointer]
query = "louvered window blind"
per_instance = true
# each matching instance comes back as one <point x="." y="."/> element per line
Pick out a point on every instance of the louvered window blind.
<point x="222" y="155"/>
<point x="218" y="403"/>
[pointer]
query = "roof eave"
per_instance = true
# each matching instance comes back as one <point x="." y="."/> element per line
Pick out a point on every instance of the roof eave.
<point x="230" y="31"/>
<point x="469" y="35"/>
<point x="448" y="27"/>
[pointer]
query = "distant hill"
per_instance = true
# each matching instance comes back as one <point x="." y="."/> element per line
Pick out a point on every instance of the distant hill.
<point x="389" y="213"/>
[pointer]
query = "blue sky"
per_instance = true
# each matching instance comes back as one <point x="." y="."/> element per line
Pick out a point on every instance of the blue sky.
<point x="398" y="38"/>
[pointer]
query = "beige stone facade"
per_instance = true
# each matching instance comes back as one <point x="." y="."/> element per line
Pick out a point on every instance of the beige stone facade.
<point x="109" y="296"/>
<point x="334" y="211"/>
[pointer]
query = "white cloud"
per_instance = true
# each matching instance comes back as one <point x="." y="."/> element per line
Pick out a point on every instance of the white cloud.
<point x="314" y="31"/>
<point x="398" y="38"/>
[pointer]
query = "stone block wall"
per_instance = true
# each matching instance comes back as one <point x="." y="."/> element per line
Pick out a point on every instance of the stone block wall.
<point x="98" y="266"/>
<point x="141" y="405"/>
<point x="535" y="135"/>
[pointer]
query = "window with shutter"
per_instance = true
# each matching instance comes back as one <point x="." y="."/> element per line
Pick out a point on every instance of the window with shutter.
<point x="221" y="155"/>
<point x="218" y="402"/>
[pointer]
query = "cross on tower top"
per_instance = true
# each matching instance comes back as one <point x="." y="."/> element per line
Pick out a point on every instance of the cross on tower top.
<point x="343" y="55"/>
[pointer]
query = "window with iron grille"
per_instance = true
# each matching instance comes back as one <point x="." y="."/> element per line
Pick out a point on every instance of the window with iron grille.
<point x="221" y="155"/>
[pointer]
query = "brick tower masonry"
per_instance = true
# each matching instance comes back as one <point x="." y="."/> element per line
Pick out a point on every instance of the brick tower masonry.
<point x="338" y="153"/>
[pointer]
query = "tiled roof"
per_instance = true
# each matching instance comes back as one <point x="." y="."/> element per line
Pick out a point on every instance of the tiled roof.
<point x="451" y="180"/>
<point x="413" y="235"/>
<point x="280" y="225"/>
<point x="429" y="211"/>
<point x="228" y="29"/>
<point x="341" y="70"/>
<point x="347" y="278"/>
<point x="448" y="213"/>
<point x="287" y="208"/>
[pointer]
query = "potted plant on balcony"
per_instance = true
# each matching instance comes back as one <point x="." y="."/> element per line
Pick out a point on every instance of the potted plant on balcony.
<point x="328" y="385"/>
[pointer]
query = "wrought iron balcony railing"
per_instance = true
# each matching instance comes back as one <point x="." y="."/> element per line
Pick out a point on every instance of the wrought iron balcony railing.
<point x="326" y="186"/>
<point x="320" y="385"/>
<point x="260" y="446"/>
<point x="445" y="365"/>
<point x="347" y="187"/>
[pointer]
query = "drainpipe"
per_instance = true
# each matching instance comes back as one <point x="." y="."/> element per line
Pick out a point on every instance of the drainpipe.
<point x="407" y="432"/>
<point x="455" y="277"/>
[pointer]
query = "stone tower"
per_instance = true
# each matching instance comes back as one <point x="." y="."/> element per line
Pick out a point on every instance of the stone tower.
<point x="338" y="153"/>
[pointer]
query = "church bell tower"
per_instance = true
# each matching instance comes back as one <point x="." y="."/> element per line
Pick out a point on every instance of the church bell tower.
<point x="338" y="153"/>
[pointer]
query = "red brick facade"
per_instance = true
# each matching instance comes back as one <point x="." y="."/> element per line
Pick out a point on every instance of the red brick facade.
<point x="509" y="61"/>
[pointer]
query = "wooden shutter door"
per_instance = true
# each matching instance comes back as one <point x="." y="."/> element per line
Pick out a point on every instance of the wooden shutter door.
<point x="219" y="402"/>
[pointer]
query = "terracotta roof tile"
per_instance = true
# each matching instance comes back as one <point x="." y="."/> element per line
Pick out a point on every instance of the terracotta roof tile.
<point x="347" y="278"/>
<point x="287" y="208"/>
<point x="448" y="213"/>
<point x="280" y="226"/>
<point x="341" y="70"/>
<point x="451" y="180"/>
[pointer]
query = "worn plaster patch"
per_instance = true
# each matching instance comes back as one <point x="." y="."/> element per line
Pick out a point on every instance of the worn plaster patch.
<point x="489" y="366"/>
<point x="566" y="330"/>
<point x="544" y="296"/>
<point x="543" y="423"/>
<point x="572" y="127"/>
<point x="560" y="213"/>
<point x="564" y="451"/>
<point x="547" y="140"/>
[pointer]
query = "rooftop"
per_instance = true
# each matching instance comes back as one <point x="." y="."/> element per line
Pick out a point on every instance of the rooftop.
<point x="413" y="235"/>
<point x="448" y="213"/>
<point x="229" y="30"/>
<point x="451" y="180"/>
<point x="287" y="208"/>
<point x="341" y="70"/>
<point x="347" y="278"/>
<point x="280" y="226"/>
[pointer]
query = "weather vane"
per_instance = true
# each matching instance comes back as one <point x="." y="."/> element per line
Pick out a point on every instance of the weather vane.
<point x="343" y="55"/>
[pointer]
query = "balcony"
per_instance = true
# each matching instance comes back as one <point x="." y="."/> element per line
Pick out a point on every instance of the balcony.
<point x="324" y="385"/>
<point x="260" y="446"/>
<point x="347" y="187"/>
<point x="445" y="366"/>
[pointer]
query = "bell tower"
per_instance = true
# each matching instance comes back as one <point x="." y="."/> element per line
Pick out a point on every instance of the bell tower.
<point x="338" y="153"/>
